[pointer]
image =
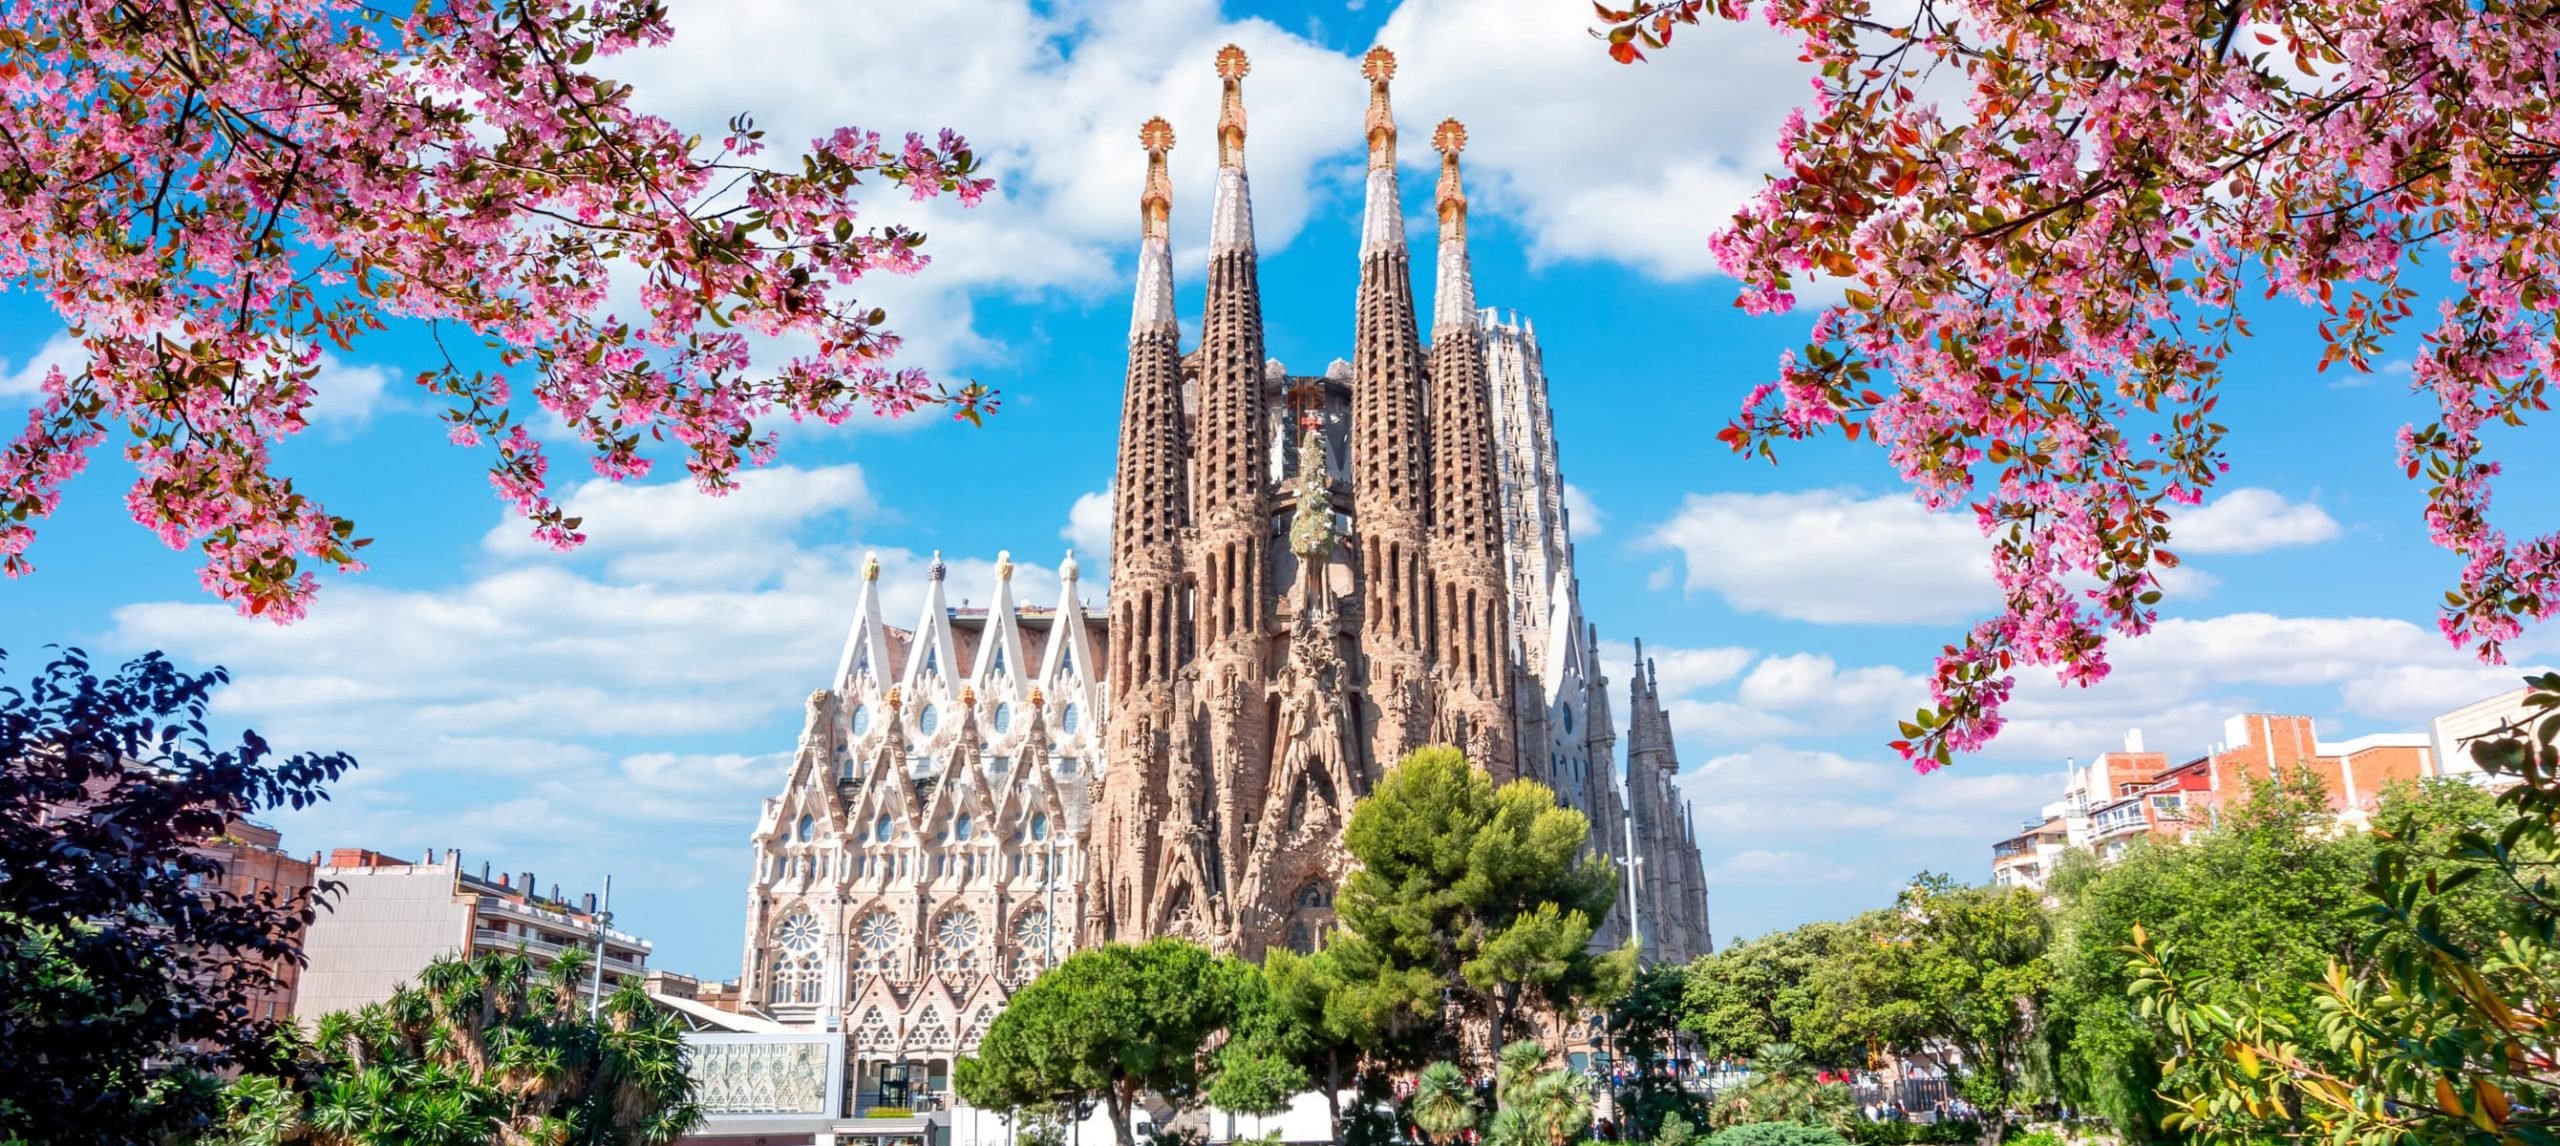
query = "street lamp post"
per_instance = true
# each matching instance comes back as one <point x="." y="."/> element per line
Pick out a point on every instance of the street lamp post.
<point x="604" y="924"/>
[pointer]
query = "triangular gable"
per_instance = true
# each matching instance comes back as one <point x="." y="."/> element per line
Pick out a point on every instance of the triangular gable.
<point x="866" y="643"/>
<point x="1002" y="673"/>
<point x="1068" y="671"/>
<point x="933" y="668"/>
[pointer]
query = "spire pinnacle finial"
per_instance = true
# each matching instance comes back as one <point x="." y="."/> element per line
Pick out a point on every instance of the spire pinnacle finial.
<point x="1004" y="565"/>
<point x="1449" y="139"/>
<point x="1067" y="568"/>
<point x="870" y="566"/>
<point x="1155" y="202"/>
<point x="934" y="571"/>
<point x="1232" y="68"/>
<point x="1380" y="66"/>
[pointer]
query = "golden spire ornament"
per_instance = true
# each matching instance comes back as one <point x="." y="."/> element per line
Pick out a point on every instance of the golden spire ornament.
<point x="1380" y="66"/>
<point x="1232" y="68"/>
<point x="1155" y="201"/>
<point x="1449" y="139"/>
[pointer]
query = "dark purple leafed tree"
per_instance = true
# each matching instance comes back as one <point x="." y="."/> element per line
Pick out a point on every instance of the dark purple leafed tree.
<point x="126" y="970"/>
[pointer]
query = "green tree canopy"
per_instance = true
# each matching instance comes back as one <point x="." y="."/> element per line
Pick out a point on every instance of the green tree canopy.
<point x="1965" y="967"/>
<point x="1772" y="990"/>
<point x="2440" y="1033"/>
<point x="1107" y="1025"/>
<point x="1481" y="891"/>
<point x="479" y="1050"/>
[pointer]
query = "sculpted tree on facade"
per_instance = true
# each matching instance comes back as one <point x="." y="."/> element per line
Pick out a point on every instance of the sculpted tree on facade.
<point x="2049" y="218"/>
<point x="213" y="195"/>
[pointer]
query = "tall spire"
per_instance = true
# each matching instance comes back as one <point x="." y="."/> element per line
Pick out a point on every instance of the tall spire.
<point x="1231" y="216"/>
<point x="1382" y="223"/>
<point x="1453" y="300"/>
<point x="1154" y="307"/>
<point x="1472" y="637"/>
<point x="1151" y="507"/>
<point x="1388" y="495"/>
<point x="1225" y="620"/>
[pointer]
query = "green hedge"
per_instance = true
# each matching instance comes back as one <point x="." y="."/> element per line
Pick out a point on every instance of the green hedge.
<point x="1896" y="1133"/>
<point x="1776" y="1134"/>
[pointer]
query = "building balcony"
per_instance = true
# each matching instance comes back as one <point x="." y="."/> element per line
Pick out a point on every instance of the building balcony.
<point x="618" y="962"/>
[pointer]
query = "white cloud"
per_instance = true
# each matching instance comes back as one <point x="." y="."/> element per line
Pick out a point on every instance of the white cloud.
<point x="1780" y="792"/>
<point x="2250" y="520"/>
<point x="1088" y="529"/>
<point x="1677" y="671"/>
<point x="1638" y="165"/>
<point x="1050" y="99"/>
<point x="2180" y="681"/>
<point x="1582" y="515"/>
<point x="59" y="350"/>
<point x="669" y="531"/>
<point x="1831" y="557"/>
<point x="1808" y="680"/>
<point x="345" y="396"/>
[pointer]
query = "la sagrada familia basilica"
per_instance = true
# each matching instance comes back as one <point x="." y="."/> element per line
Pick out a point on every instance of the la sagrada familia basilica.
<point x="1311" y="575"/>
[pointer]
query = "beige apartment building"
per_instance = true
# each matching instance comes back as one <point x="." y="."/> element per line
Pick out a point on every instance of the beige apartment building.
<point x="395" y="916"/>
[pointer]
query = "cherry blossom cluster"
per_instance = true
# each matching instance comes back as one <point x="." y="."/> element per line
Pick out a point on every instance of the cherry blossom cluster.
<point x="211" y="192"/>
<point x="2047" y="218"/>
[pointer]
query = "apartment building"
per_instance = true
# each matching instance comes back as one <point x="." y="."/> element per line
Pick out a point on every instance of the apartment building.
<point x="2453" y="731"/>
<point x="255" y="866"/>
<point x="2123" y="796"/>
<point x="395" y="916"/>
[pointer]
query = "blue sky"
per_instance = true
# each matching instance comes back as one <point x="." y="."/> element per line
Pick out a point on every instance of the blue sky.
<point x="627" y="707"/>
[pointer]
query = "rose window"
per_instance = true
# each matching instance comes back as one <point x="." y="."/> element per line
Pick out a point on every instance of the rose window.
<point x="877" y="936"/>
<point x="1030" y="944"/>
<point x="798" y="934"/>
<point x="955" y="944"/>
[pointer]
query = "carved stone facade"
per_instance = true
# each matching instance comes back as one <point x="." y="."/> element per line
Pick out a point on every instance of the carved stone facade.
<point x="1311" y="576"/>
<point x="926" y="855"/>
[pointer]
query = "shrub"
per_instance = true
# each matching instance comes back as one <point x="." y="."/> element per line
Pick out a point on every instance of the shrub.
<point x="1776" y="1134"/>
<point x="1898" y="1133"/>
<point x="2036" y="1138"/>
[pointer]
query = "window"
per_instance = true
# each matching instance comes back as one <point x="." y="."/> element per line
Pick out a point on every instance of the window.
<point x="1004" y="718"/>
<point x="961" y="827"/>
<point x="1567" y="714"/>
<point x="861" y="719"/>
<point x="1039" y="825"/>
<point x="1067" y="764"/>
<point x="1030" y="944"/>
<point x="955" y="944"/>
<point x="1070" y="718"/>
<point x="877" y="935"/>
<point x="808" y="828"/>
<point x="795" y="970"/>
<point x="929" y="719"/>
<point x="799" y="933"/>
<point x="881" y="829"/>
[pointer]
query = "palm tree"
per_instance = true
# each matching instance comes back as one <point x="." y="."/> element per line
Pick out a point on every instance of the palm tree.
<point x="1443" y="1105"/>
<point x="1784" y="1087"/>
<point x="488" y="1049"/>
<point x="1514" y="1066"/>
